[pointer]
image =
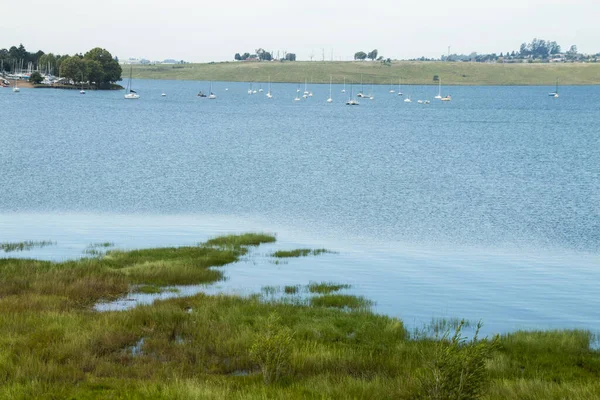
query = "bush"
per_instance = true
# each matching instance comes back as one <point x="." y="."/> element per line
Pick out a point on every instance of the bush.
<point x="36" y="78"/>
<point x="458" y="368"/>
<point x="272" y="349"/>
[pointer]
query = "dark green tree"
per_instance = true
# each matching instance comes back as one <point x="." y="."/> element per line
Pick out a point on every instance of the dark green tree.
<point x="36" y="78"/>
<point x="73" y="68"/>
<point x="94" y="72"/>
<point x="360" y="55"/>
<point x="237" y="57"/>
<point x="112" y="69"/>
<point x="372" y="55"/>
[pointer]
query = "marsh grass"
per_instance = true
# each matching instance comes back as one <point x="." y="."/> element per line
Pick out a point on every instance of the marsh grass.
<point x="299" y="253"/>
<point x="53" y="346"/>
<point x="247" y="239"/>
<point x="326" y="287"/>
<point x="8" y="247"/>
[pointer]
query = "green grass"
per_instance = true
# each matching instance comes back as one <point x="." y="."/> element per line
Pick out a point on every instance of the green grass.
<point x="420" y="73"/>
<point x="54" y="346"/>
<point x="247" y="239"/>
<point x="291" y="289"/>
<point x="8" y="247"/>
<point x="326" y="287"/>
<point x="299" y="253"/>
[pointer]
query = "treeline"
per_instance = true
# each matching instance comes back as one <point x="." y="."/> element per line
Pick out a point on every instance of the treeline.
<point x="263" y="55"/>
<point x="97" y="66"/>
<point x="538" y="50"/>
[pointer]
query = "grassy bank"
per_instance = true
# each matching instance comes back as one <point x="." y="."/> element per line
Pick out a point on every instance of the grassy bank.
<point x="421" y="73"/>
<point x="53" y="345"/>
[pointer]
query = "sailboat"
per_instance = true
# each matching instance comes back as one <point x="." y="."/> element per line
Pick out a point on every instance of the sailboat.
<point x="82" y="91"/>
<point x="392" y="87"/>
<point x="250" y="89"/>
<point x="370" y="96"/>
<point x="211" y="95"/>
<point x="305" y="89"/>
<point x="260" y="90"/>
<point x="330" y="100"/>
<point x="16" y="88"/>
<point x="555" y="93"/>
<point x="129" y="92"/>
<point x="297" y="98"/>
<point x="399" y="86"/>
<point x="362" y="88"/>
<point x="439" y="96"/>
<point x="269" y="95"/>
<point x="351" y="101"/>
<point x="344" y="89"/>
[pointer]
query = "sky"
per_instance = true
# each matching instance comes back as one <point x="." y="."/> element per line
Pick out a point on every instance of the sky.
<point x="199" y="31"/>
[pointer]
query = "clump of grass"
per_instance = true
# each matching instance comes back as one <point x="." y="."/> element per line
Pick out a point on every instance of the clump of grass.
<point x="270" y="290"/>
<point x="299" y="253"/>
<point x="246" y="239"/>
<point x="101" y="244"/>
<point x="457" y="368"/>
<point x="291" y="289"/>
<point x="8" y="247"/>
<point x="326" y="287"/>
<point x="148" y="289"/>
<point x="341" y="301"/>
<point x="272" y="349"/>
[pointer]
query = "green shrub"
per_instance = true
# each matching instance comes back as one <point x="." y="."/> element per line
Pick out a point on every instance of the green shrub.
<point x="457" y="370"/>
<point x="272" y="349"/>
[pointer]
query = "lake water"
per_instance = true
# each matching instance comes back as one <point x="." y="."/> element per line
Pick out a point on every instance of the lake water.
<point x="486" y="207"/>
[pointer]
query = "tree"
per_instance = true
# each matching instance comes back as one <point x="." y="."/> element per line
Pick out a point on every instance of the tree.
<point x="372" y="55"/>
<point x="111" y="68"/>
<point x="36" y="78"/>
<point x="360" y="55"/>
<point x="290" y="57"/>
<point x="245" y="56"/>
<point x="94" y="72"/>
<point x="436" y="78"/>
<point x="572" y="53"/>
<point x="237" y="57"/>
<point x="73" y="69"/>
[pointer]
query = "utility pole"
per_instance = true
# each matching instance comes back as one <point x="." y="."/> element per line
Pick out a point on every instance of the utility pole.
<point x="448" y="59"/>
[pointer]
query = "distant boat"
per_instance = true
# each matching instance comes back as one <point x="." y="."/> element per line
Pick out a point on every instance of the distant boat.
<point x="408" y="100"/>
<point x="305" y="89"/>
<point x="164" y="95"/>
<point x="130" y="93"/>
<point x="344" y="89"/>
<point x="361" y="94"/>
<point x="392" y="87"/>
<point x="269" y="95"/>
<point x="211" y="95"/>
<point x="351" y="101"/>
<point x="399" y="86"/>
<point x="16" y="88"/>
<point x="447" y="98"/>
<point x="260" y="90"/>
<point x="370" y="96"/>
<point x="439" y="95"/>
<point x="82" y="91"/>
<point x="201" y="94"/>
<point x="420" y="101"/>
<point x="250" y="89"/>
<point x="555" y="93"/>
<point x="330" y="100"/>
<point x="297" y="98"/>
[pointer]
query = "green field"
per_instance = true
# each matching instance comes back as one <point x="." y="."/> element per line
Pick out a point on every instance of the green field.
<point x="53" y="345"/>
<point x="421" y="73"/>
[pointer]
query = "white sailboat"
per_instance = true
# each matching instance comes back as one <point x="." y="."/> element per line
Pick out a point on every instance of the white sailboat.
<point x="250" y="89"/>
<point x="260" y="89"/>
<point x="82" y="91"/>
<point x="211" y="95"/>
<point x="351" y="101"/>
<point x="330" y="100"/>
<point x="269" y="95"/>
<point x="361" y="94"/>
<point x="392" y="87"/>
<point x="16" y="88"/>
<point x="130" y="94"/>
<point x="399" y="86"/>
<point x="164" y="95"/>
<point x="297" y="98"/>
<point x="555" y="93"/>
<point x="370" y="96"/>
<point x="344" y="89"/>
<point x="439" y="96"/>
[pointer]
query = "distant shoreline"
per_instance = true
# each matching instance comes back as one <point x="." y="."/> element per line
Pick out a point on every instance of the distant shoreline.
<point x="411" y="72"/>
<point x="75" y="87"/>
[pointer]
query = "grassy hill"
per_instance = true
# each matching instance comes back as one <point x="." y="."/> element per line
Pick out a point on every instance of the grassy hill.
<point x="373" y="72"/>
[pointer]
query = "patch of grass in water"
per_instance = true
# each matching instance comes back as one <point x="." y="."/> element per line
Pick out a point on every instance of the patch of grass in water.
<point x="341" y="301"/>
<point x="326" y="287"/>
<point x="299" y="253"/>
<point x="101" y="245"/>
<point x="8" y="247"/>
<point x="148" y="289"/>
<point x="291" y="289"/>
<point x="246" y="239"/>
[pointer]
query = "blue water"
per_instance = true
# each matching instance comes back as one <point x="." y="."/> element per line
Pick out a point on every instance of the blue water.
<point x="484" y="207"/>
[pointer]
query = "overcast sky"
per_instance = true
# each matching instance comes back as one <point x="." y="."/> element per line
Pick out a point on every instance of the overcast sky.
<point x="203" y="31"/>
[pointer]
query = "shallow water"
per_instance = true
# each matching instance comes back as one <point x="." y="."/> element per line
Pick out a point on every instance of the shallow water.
<point x="485" y="207"/>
